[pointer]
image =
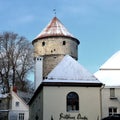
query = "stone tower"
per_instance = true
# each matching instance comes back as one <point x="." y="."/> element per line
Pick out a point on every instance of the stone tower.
<point x="52" y="44"/>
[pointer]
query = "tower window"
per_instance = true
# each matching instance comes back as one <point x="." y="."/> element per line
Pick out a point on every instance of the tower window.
<point x="43" y="43"/>
<point x="64" y="42"/>
<point x="72" y="101"/>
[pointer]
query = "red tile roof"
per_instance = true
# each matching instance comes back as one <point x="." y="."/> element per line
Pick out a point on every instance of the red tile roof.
<point x="54" y="28"/>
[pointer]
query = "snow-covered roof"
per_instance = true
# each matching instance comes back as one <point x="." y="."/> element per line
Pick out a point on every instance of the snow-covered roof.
<point x="113" y="62"/>
<point x="3" y="95"/>
<point x="109" y="72"/>
<point x="109" y="77"/>
<point x="69" y="70"/>
<point x="54" y="28"/>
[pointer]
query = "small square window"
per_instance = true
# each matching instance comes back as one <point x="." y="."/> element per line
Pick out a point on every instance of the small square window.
<point x="112" y="110"/>
<point x="17" y="104"/>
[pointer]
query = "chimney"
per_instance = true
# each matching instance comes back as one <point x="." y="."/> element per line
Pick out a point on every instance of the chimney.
<point x="15" y="89"/>
<point x="38" y="75"/>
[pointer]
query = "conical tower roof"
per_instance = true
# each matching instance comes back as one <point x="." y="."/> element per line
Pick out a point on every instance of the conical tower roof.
<point x="53" y="29"/>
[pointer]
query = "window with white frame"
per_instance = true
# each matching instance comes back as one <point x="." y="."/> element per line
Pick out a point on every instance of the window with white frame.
<point x="112" y="110"/>
<point x="21" y="116"/>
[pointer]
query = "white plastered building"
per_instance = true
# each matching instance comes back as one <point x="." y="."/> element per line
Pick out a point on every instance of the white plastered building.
<point x="109" y="75"/>
<point x="68" y="92"/>
<point x="19" y="110"/>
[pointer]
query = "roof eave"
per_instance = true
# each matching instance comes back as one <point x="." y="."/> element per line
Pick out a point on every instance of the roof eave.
<point x="72" y="84"/>
<point x="39" y="38"/>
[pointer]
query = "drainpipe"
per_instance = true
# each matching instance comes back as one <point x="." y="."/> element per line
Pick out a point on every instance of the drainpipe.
<point x="101" y="99"/>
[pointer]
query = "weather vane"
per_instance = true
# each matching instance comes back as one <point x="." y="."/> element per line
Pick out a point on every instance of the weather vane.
<point x="54" y="10"/>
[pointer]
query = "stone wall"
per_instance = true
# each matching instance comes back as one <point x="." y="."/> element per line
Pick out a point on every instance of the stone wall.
<point x="53" y="49"/>
<point x="56" y="45"/>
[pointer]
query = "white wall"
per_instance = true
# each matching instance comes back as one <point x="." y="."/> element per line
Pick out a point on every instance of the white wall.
<point x="107" y="102"/>
<point x="55" y="102"/>
<point x="22" y="108"/>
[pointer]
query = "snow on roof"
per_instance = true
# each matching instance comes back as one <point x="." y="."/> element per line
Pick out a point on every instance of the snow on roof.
<point x="54" y="28"/>
<point x="69" y="70"/>
<point x="109" y="77"/>
<point x="113" y="62"/>
<point x="3" y="95"/>
<point x="109" y="72"/>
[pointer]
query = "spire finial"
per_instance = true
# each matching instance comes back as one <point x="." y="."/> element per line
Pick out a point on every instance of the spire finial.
<point x="54" y="10"/>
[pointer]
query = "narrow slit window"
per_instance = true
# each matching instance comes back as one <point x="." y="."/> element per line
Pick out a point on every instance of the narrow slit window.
<point x="43" y="43"/>
<point x="64" y="42"/>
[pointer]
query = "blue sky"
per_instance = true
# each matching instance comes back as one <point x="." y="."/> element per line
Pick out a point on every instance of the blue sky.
<point x="96" y="23"/>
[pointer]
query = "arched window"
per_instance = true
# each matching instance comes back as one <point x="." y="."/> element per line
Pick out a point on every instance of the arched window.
<point x="72" y="101"/>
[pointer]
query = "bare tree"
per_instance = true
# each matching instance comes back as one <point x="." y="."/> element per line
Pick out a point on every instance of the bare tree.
<point x="16" y="59"/>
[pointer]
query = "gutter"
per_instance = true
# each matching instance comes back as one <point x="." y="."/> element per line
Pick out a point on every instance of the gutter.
<point x="102" y="87"/>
